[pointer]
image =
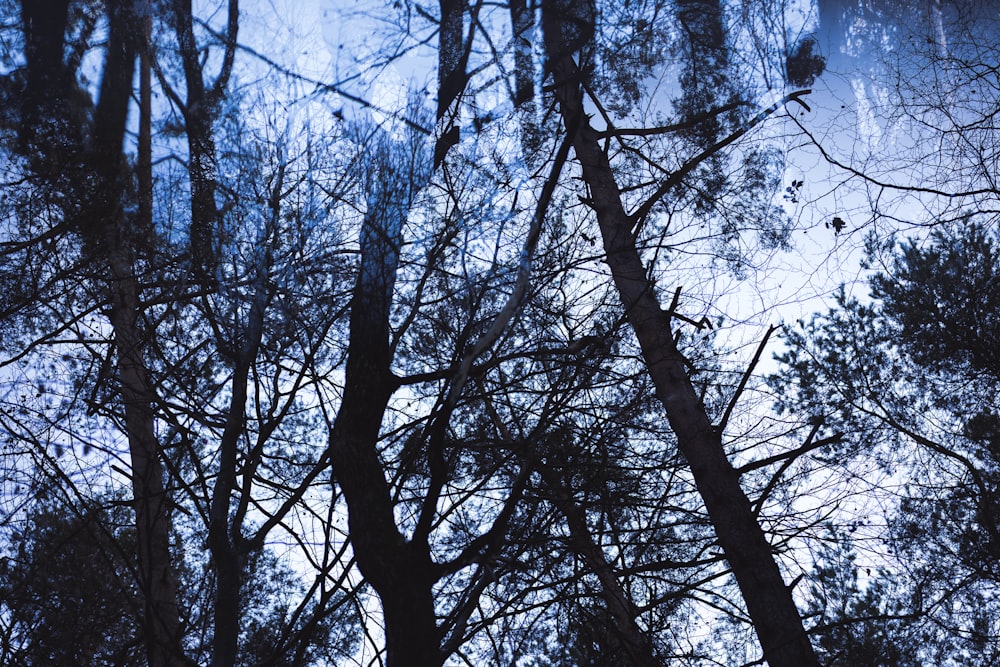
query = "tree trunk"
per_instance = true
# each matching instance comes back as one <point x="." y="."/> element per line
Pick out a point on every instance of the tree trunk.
<point x="95" y="180"/>
<point x="401" y="572"/>
<point x="225" y="538"/>
<point x="522" y="23"/>
<point x="769" y="601"/>
<point x="107" y="227"/>
<point x="199" y="114"/>
<point x="453" y="57"/>
<point x="157" y="580"/>
<point x="621" y="606"/>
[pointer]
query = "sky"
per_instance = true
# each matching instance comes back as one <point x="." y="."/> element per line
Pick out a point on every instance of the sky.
<point x="344" y="45"/>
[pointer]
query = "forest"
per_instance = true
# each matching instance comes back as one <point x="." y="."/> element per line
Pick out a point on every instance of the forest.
<point x="528" y="333"/>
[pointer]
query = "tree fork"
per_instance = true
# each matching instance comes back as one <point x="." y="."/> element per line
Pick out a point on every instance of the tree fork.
<point x="401" y="572"/>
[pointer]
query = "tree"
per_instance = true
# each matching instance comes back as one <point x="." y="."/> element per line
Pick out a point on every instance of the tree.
<point x="418" y="355"/>
<point x="75" y="149"/>
<point x="68" y="594"/>
<point x="116" y="280"/>
<point x="869" y="626"/>
<point x="769" y="601"/>
<point x="71" y="596"/>
<point x="911" y="375"/>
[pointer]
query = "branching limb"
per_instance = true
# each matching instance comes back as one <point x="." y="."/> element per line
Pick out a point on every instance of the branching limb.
<point x="788" y="458"/>
<point x="638" y="217"/>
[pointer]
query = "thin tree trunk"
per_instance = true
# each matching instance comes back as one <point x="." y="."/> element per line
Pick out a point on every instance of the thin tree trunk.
<point x="95" y="177"/>
<point x="199" y="113"/>
<point x="225" y="539"/>
<point x="157" y="580"/>
<point x="144" y="161"/>
<point x="769" y="601"/>
<point x="522" y="25"/>
<point x="107" y="224"/>
<point x="622" y="608"/>
<point x="201" y="149"/>
<point x="453" y="58"/>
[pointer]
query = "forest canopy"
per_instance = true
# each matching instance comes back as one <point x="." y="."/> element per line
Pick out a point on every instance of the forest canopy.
<point x="537" y="332"/>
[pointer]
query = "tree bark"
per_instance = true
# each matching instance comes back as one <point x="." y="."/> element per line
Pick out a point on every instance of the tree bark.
<point x="157" y="579"/>
<point x="522" y="23"/>
<point x="116" y="238"/>
<point x="769" y="601"/>
<point x="453" y="58"/>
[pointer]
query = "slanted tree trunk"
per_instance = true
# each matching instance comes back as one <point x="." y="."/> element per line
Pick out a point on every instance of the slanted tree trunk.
<point x="768" y="600"/>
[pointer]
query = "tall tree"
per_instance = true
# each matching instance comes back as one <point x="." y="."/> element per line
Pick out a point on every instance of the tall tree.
<point x="67" y="591"/>
<point x="769" y="601"/>
<point x="911" y="375"/>
<point x="75" y="148"/>
<point x="422" y="354"/>
<point x="178" y="364"/>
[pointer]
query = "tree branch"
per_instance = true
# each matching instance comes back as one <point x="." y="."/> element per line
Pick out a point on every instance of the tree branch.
<point x="721" y="426"/>
<point x="638" y="217"/>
